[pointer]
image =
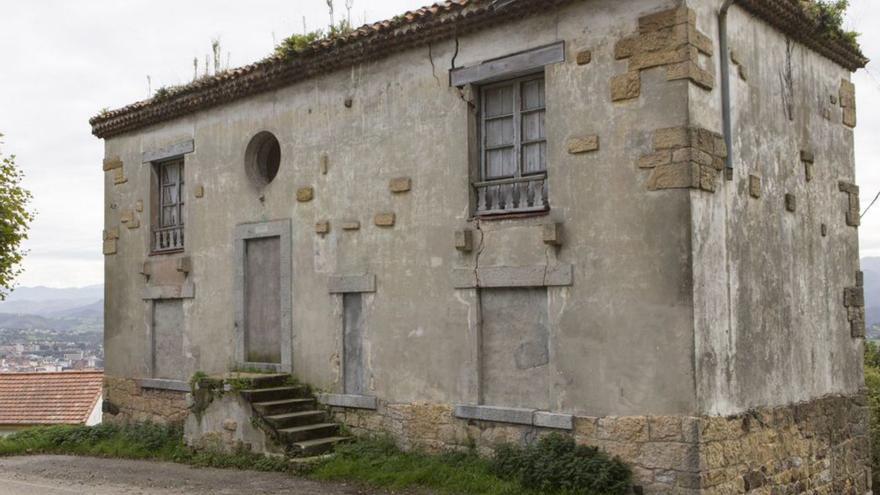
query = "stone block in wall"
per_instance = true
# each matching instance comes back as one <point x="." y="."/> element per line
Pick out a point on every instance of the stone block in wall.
<point x="848" y="102"/>
<point x="583" y="144"/>
<point x="351" y="225"/>
<point x="112" y="163"/>
<point x="464" y="240"/>
<point x="322" y="228"/>
<point x="853" y="215"/>
<point x="109" y="247"/>
<point x="685" y="157"/>
<point x="755" y="186"/>
<point x="626" y="86"/>
<point x="119" y="176"/>
<point x="385" y="219"/>
<point x="667" y="39"/>
<point x="400" y="185"/>
<point x="584" y="57"/>
<point x="791" y="202"/>
<point x="305" y="194"/>
<point x="199" y="192"/>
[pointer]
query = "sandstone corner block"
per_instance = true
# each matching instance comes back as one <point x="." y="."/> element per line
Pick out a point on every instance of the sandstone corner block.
<point x="626" y="86"/>
<point x="791" y="202"/>
<point x="199" y="191"/>
<point x="322" y="228"/>
<point x="112" y="163"/>
<point x="552" y="234"/>
<point x="351" y="225"/>
<point x="755" y="186"/>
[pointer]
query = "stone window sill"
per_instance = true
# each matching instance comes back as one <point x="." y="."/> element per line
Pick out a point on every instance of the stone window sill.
<point x="514" y="415"/>
<point x="349" y="400"/>
<point x="160" y="384"/>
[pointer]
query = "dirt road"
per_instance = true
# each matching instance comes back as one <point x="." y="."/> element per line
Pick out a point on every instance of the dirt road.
<point x="63" y="475"/>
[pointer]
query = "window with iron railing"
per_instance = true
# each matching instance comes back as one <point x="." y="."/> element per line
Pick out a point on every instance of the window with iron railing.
<point x="169" y="214"/>
<point x="513" y="168"/>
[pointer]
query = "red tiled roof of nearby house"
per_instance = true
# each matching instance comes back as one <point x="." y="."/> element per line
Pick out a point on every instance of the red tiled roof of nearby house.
<point x="48" y="398"/>
<point x="441" y="21"/>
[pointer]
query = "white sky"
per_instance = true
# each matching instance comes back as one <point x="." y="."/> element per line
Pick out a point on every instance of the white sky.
<point x="61" y="61"/>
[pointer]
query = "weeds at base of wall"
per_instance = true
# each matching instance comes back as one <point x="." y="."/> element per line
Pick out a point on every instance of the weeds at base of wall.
<point x="872" y="383"/>
<point x="375" y="462"/>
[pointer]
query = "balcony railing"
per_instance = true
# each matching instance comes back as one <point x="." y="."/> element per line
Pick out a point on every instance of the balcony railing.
<point x="516" y="195"/>
<point x="168" y="239"/>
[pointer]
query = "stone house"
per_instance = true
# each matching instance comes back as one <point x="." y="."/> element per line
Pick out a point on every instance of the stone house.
<point x="632" y="221"/>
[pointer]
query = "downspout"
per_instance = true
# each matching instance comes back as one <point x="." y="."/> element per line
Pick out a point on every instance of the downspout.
<point x="725" y="87"/>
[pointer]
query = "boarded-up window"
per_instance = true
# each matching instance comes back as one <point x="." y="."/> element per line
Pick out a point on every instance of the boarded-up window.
<point x="169" y="214"/>
<point x="513" y="163"/>
<point x="168" y="359"/>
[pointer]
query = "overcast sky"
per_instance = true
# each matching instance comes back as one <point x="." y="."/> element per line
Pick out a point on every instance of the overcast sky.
<point x="61" y="61"/>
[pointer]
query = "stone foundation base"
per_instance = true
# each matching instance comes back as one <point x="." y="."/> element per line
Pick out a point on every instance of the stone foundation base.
<point x="129" y="402"/>
<point x="820" y="447"/>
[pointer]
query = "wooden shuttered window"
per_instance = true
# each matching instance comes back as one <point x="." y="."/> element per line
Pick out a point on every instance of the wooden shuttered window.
<point x="513" y="154"/>
<point x="169" y="214"/>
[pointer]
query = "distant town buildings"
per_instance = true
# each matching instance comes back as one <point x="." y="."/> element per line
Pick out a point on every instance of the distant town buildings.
<point x="25" y="351"/>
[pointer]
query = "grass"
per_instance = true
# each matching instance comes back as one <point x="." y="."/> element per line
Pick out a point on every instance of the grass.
<point x="374" y="462"/>
<point x="142" y="441"/>
<point x="379" y="463"/>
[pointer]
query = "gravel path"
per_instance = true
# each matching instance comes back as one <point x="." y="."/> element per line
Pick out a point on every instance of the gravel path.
<point x="65" y="475"/>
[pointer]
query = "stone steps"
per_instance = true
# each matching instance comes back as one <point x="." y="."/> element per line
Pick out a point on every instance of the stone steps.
<point x="320" y="446"/>
<point x="290" y="414"/>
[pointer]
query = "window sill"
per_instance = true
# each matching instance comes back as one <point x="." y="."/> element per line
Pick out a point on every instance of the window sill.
<point x="511" y="215"/>
<point x="166" y="253"/>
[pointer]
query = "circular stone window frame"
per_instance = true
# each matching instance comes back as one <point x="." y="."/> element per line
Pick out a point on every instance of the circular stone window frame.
<point x="262" y="159"/>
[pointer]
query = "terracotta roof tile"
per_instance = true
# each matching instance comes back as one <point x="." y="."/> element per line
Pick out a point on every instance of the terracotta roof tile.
<point x="48" y="398"/>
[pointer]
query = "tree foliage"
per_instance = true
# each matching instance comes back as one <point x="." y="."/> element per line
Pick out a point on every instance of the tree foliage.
<point x="15" y="218"/>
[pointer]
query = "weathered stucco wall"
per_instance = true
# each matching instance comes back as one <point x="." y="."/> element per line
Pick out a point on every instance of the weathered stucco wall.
<point x="770" y="322"/>
<point x="620" y="337"/>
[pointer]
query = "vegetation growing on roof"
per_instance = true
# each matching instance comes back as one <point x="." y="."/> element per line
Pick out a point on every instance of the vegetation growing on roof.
<point x="829" y="16"/>
<point x="298" y="43"/>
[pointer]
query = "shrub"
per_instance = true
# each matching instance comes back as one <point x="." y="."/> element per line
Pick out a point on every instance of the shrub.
<point x="557" y="463"/>
<point x="872" y="383"/>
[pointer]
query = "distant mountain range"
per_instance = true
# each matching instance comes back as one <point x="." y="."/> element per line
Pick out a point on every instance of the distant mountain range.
<point x="53" y="309"/>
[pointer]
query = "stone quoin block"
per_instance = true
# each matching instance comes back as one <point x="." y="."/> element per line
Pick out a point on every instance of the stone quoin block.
<point x="807" y="156"/>
<point x="848" y="102"/>
<point x="400" y="185"/>
<point x="119" y="176"/>
<point x="139" y="206"/>
<point x="584" y="144"/>
<point x="109" y="246"/>
<point x="322" y="227"/>
<point x="133" y="223"/>
<point x="126" y="216"/>
<point x="351" y="225"/>
<point x="305" y="194"/>
<point x="324" y="164"/>
<point x="385" y="219"/>
<point x="824" y="230"/>
<point x="112" y="163"/>
<point x="626" y="86"/>
<point x="199" y="191"/>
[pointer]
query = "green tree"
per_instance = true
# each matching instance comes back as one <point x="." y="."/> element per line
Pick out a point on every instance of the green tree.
<point x="15" y="218"/>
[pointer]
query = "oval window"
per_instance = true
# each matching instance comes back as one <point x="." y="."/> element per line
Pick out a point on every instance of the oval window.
<point x="263" y="158"/>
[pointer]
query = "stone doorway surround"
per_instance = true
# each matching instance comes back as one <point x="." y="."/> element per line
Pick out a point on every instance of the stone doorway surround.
<point x="243" y="233"/>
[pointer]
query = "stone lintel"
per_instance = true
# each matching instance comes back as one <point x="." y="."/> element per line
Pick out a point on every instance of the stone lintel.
<point x="514" y="276"/>
<point x="170" y="151"/>
<point x="185" y="291"/>
<point x="349" y="400"/>
<point x="160" y="384"/>
<point x="342" y="284"/>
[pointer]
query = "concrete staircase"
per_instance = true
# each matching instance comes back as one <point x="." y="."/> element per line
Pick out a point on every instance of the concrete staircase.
<point x="290" y="415"/>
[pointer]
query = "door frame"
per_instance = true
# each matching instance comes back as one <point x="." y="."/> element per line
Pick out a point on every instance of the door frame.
<point x="243" y="233"/>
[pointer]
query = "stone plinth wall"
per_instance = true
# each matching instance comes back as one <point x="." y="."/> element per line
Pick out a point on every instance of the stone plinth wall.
<point x="127" y="401"/>
<point x="820" y="447"/>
